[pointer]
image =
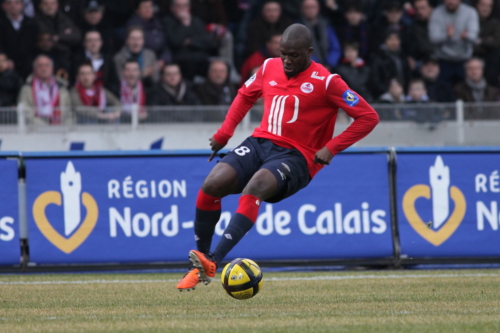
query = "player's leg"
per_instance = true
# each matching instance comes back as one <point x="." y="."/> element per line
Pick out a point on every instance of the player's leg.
<point x="283" y="174"/>
<point x="229" y="176"/>
<point x="261" y="187"/>
<point x="221" y="181"/>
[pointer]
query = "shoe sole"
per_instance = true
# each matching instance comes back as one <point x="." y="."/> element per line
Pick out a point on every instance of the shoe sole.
<point x="197" y="263"/>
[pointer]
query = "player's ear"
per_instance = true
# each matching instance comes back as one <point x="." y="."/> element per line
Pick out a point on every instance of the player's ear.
<point x="310" y="52"/>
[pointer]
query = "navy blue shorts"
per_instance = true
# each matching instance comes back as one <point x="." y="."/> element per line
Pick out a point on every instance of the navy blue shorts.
<point x="288" y="165"/>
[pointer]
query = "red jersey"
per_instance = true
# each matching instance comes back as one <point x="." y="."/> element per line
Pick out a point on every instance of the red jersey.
<point x="300" y="112"/>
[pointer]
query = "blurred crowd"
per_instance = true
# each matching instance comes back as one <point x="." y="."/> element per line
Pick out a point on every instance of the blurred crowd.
<point x="102" y="57"/>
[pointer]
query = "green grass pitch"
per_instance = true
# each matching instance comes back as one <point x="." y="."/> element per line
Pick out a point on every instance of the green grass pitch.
<point x="393" y="301"/>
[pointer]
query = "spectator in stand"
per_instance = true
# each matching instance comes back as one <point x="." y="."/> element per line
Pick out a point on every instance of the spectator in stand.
<point x="52" y="21"/>
<point x="354" y="71"/>
<point x="172" y="89"/>
<point x="217" y="90"/>
<point x="91" y="101"/>
<point x="134" y="50"/>
<point x="60" y="55"/>
<point x="417" y="92"/>
<point x="191" y="44"/>
<point x="93" y="20"/>
<point x="270" y="22"/>
<point x="327" y="50"/>
<point x="395" y="93"/>
<point x="353" y="28"/>
<point x="475" y="88"/>
<point x="453" y="29"/>
<point x="256" y="59"/>
<point x="14" y="28"/>
<point x="44" y="97"/>
<point x="436" y="90"/>
<point x="10" y="83"/>
<point x="416" y="109"/>
<point x="390" y="21"/>
<point x="132" y="91"/>
<point x="154" y="36"/>
<point x="488" y="44"/>
<point x="213" y="15"/>
<point x="102" y="64"/>
<point x="388" y="63"/>
<point x="417" y="43"/>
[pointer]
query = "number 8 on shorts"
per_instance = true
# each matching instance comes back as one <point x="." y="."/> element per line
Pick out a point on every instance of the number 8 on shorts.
<point x="242" y="151"/>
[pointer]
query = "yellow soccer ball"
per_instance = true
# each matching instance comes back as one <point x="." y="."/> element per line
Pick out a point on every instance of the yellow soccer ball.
<point x="242" y="278"/>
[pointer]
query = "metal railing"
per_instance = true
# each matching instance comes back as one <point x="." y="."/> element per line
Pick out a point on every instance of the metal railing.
<point x="429" y="115"/>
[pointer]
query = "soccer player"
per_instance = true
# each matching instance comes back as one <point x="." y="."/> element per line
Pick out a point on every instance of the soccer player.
<point x="294" y="141"/>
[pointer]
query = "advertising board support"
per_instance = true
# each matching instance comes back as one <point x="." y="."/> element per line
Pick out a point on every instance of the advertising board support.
<point x="10" y="246"/>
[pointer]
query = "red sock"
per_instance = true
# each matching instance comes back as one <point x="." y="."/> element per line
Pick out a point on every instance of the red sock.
<point x="207" y="202"/>
<point x="249" y="206"/>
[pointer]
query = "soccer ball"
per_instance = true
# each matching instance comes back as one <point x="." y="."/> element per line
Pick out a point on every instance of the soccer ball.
<point x="242" y="278"/>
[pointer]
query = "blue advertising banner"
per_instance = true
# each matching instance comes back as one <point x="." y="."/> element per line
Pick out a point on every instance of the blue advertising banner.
<point x="141" y="209"/>
<point x="10" y="248"/>
<point x="448" y="204"/>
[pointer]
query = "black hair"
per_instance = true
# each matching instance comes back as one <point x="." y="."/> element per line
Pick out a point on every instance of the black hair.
<point x="85" y="63"/>
<point x="352" y="45"/>
<point x="168" y="65"/>
<point x="391" y="5"/>
<point x="271" y="36"/>
<point x="139" y="2"/>
<point x="354" y="6"/>
<point x="130" y="61"/>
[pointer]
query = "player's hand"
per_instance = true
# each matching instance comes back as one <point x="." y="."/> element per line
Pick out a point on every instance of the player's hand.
<point x="323" y="157"/>
<point x="215" y="146"/>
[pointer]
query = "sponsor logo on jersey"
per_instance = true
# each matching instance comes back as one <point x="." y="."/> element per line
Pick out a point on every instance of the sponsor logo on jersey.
<point x="250" y="80"/>
<point x="307" y="87"/>
<point x="443" y="224"/>
<point x="350" y="98"/>
<point x="273" y="83"/>
<point x="76" y="231"/>
<point x="315" y="76"/>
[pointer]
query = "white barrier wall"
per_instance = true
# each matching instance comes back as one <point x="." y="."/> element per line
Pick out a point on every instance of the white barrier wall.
<point x="195" y="136"/>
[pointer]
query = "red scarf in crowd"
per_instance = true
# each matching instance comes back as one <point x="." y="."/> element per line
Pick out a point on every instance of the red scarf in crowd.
<point x="130" y="96"/>
<point x="46" y="99"/>
<point x="92" y="97"/>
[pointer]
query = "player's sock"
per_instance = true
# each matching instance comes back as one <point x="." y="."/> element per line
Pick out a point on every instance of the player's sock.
<point x="241" y="222"/>
<point x="208" y="210"/>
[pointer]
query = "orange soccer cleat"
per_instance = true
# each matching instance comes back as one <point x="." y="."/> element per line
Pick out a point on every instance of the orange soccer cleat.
<point x="189" y="280"/>
<point x="204" y="264"/>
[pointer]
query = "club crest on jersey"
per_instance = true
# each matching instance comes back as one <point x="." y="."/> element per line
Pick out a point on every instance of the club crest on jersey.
<point x="307" y="87"/>
<point x="250" y="80"/>
<point x="350" y="98"/>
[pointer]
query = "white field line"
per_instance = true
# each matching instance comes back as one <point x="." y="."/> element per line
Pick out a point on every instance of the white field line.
<point x="312" y="278"/>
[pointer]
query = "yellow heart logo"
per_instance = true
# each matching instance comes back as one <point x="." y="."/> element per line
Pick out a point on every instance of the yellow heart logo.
<point x="67" y="245"/>
<point x="438" y="237"/>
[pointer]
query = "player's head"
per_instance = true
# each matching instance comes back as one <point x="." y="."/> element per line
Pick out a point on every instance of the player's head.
<point x="296" y="49"/>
